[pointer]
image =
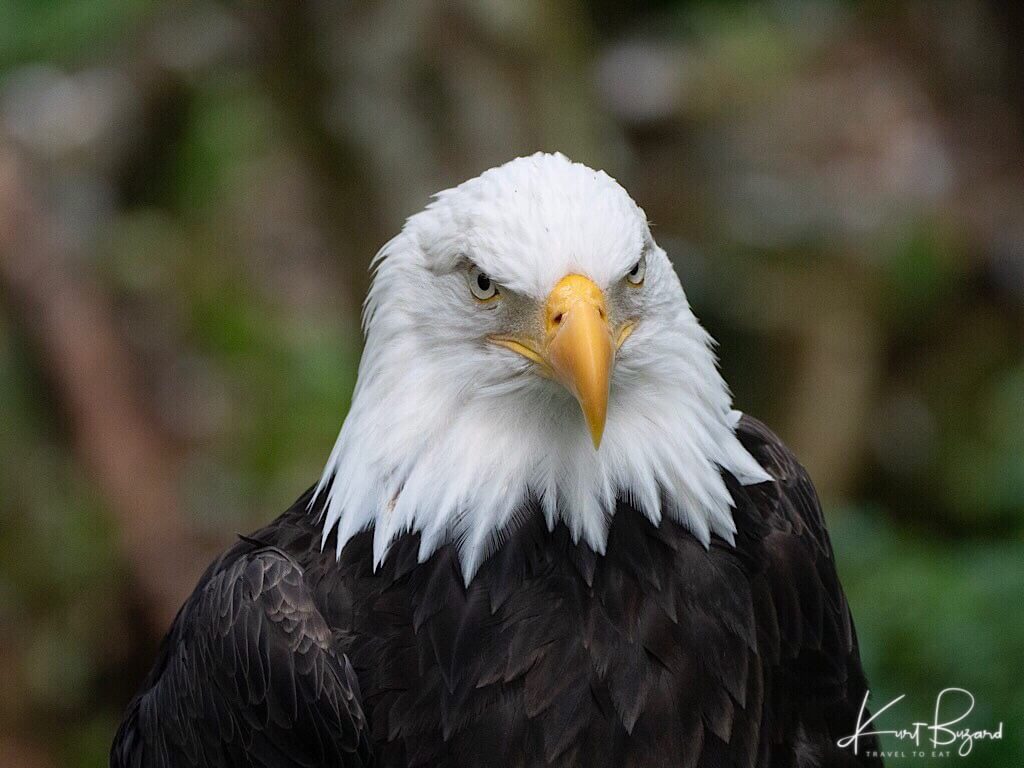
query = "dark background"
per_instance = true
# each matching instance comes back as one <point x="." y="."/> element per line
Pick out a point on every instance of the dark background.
<point x="190" y="194"/>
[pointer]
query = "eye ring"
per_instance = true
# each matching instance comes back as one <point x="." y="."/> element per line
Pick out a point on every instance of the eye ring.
<point x="483" y="288"/>
<point x="636" y="275"/>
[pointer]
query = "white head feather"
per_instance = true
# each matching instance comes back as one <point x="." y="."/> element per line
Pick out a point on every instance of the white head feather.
<point x="450" y="435"/>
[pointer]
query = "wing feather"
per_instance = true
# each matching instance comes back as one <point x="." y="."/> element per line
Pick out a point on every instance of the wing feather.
<point x="248" y="675"/>
<point x="805" y="627"/>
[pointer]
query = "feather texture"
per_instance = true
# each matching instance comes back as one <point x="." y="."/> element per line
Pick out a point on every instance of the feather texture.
<point x="248" y="675"/>
<point x="660" y="652"/>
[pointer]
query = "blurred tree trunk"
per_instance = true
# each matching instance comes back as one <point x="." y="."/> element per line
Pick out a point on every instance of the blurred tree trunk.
<point x="16" y="753"/>
<point x="70" y="324"/>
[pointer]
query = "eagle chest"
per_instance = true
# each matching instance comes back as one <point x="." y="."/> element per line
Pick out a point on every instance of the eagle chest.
<point x="552" y="653"/>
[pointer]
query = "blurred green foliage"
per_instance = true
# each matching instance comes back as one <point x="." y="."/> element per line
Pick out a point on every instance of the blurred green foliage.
<point x="51" y="30"/>
<point x="933" y="615"/>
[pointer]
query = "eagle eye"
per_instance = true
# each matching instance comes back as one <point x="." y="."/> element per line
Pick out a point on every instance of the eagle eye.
<point x="481" y="285"/>
<point x="638" y="272"/>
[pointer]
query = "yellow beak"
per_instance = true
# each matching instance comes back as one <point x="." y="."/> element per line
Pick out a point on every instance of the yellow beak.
<point x="579" y="347"/>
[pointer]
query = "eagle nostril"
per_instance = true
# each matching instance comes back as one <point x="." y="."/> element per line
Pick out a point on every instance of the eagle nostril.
<point x="557" y="319"/>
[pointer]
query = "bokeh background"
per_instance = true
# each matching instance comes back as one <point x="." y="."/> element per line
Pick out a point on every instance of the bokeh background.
<point x="190" y="194"/>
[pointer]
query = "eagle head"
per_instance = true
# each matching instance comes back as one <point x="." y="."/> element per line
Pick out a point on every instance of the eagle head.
<point x="528" y="344"/>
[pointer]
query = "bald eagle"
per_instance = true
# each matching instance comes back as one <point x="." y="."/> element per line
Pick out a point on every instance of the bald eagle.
<point x="543" y="537"/>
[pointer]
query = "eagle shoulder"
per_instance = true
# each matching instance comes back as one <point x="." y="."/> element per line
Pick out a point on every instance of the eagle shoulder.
<point x="248" y="674"/>
<point x="805" y="627"/>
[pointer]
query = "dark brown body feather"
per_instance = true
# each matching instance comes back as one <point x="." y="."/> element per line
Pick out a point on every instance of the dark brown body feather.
<point x="657" y="653"/>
